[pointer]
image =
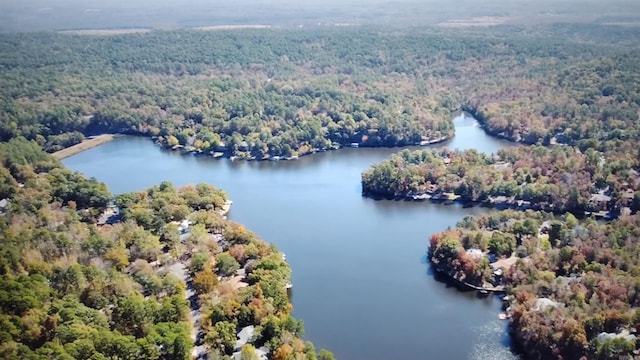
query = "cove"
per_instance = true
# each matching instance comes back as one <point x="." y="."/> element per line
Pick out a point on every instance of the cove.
<point x="361" y="281"/>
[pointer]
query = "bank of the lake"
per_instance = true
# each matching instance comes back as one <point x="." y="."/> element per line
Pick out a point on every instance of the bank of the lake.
<point x="246" y="155"/>
<point x="362" y="284"/>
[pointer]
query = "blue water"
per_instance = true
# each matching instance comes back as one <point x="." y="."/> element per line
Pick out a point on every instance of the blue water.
<point x="361" y="281"/>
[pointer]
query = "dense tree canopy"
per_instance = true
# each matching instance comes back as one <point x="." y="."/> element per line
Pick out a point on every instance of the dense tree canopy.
<point x="270" y="92"/>
<point x="75" y="287"/>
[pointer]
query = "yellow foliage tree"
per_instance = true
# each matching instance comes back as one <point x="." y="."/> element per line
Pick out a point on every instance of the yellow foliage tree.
<point x="118" y="257"/>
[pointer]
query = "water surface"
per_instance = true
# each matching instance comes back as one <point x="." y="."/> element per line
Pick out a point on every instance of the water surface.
<point x="361" y="281"/>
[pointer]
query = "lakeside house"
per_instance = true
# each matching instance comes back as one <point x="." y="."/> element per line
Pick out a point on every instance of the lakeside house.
<point x="221" y="148"/>
<point x="600" y="201"/>
<point x="421" y="197"/>
<point x="501" y="165"/>
<point x="475" y="253"/>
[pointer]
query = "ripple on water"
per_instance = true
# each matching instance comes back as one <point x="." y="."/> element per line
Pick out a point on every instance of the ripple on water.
<point x="491" y="341"/>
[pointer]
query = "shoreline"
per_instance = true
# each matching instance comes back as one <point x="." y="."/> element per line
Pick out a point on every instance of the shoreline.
<point x="87" y="144"/>
<point x="245" y="156"/>
<point x="442" y="275"/>
<point x="517" y="205"/>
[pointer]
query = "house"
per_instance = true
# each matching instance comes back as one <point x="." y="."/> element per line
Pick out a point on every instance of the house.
<point x="627" y="197"/>
<point x="475" y="253"/>
<point x="110" y="215"/>
<point x="625" y="334"/>
<point x="501" y="165"/>
<point x="247" y="336"/>
<point x="184" y="226"/>
<point x="221" y="147"/>
<point x="542" y="304"/>
<point x="600" y="201"/>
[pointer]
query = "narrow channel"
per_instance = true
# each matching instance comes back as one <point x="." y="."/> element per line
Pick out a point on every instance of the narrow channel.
<point x="361" y="282"/>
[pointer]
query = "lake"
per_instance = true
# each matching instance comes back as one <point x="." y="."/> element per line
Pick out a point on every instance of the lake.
<point x="361" y="281"/>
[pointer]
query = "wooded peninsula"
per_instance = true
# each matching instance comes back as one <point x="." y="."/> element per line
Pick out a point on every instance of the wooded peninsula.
<point x="143" y="275"/>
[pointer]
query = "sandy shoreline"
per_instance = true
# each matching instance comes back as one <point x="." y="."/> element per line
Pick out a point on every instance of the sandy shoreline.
<point x="85" y="145"/>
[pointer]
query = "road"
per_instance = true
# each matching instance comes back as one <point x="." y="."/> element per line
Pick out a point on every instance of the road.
<point x="179" y="269"/>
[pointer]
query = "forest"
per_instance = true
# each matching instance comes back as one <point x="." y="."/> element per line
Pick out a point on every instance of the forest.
<point x="282" y="92"/>
<point x="80" y="281"/>
<point x="573" y="288"/>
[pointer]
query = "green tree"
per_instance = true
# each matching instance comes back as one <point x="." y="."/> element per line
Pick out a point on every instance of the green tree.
<point x="226" y="264"/>
<point x="502" y="244"/>
<point x="222" y="336"/>
<point x="248" y="352"/>
<point x="131" y="316"/>
<point x="326" y="355"/>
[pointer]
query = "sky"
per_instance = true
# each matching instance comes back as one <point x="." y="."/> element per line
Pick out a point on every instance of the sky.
<point x="43" y="15"/>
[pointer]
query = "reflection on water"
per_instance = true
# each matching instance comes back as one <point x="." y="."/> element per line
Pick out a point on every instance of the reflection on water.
<point x="484" y="342"/>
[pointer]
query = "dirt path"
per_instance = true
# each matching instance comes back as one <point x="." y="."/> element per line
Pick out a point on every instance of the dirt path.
<point x="85" y="145"/>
